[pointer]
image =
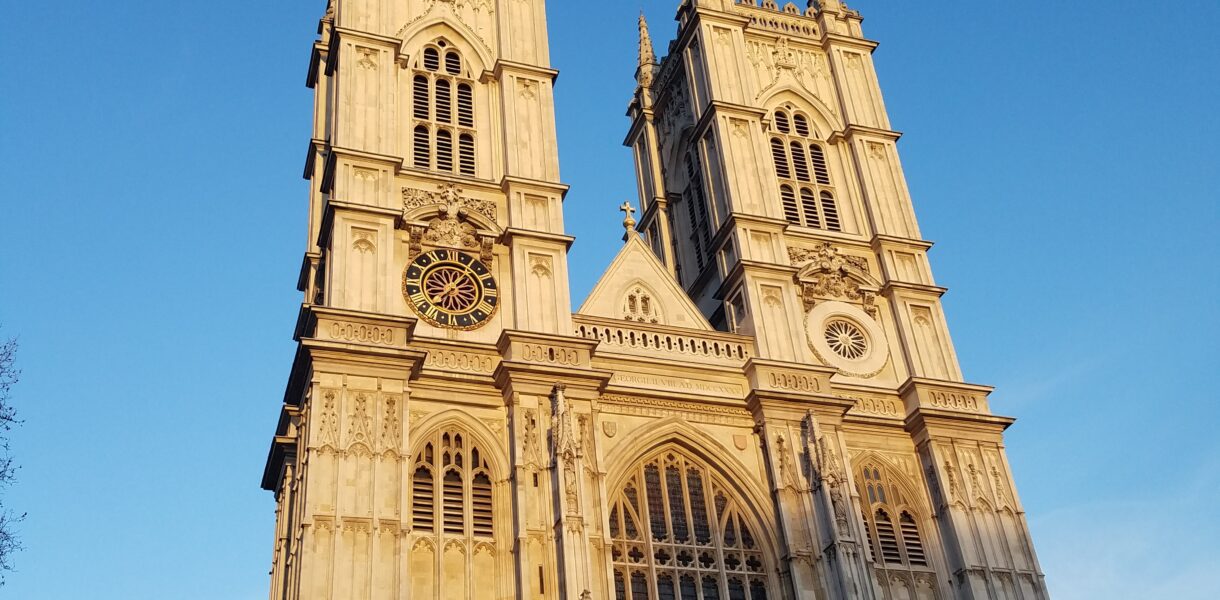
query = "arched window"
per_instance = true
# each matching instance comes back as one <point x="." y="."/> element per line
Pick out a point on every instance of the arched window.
<point x="802" y="169"/>
<point x="678" y="531"/>
<point x="443" y="108"/>
<point x="422" y="147"/>
<point x="462" y="504"/>
<point x="894" y="538"/>
<point x="696" y="209"/>
<point x="466" y="155"/>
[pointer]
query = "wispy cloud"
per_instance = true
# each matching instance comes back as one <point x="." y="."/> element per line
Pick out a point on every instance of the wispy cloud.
<point x="1161" y="546"/>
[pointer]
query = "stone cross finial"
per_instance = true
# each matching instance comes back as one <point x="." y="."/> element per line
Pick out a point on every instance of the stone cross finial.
<point x="629" y="221"/>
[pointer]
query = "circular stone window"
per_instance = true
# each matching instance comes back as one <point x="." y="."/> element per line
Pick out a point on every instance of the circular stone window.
<point x="845" y="337"/>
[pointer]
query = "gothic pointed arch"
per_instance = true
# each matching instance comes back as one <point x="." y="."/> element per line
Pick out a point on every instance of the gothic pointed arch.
<point x="897" y="523"/>
<point x="482" y="435"/>
<point x="684" y="523"/>
<point x="455" y="496"/>
<point x="428" y="29"/>
<point x="825" y="121"/>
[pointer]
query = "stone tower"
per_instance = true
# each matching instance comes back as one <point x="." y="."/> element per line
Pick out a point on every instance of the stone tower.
<point x="772" y="189"/>
<point x="759" y="398"/>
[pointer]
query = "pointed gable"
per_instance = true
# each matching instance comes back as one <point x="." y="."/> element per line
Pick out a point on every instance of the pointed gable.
<point x="637" y="287"/>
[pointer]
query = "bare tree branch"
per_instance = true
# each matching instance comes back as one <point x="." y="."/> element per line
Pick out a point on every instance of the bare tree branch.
<point x="9" y="375"/>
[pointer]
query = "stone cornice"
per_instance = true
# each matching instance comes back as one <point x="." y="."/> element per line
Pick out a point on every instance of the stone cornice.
<point x="345" y="32"/>
<point x="744" y="267"/>
<point x="316" y="53"/>
<point x="793" y="407"/>
<point x="920" y="288"/>
<point x="307" y="262"/>
<point x="512" y="233"/>
<point x="549" y="186"/>
<point x="831" y="39"/>
<point x="736" y="219"/>
<point x="502" y="66"/>
<point x="851" y="132"/>
<point x="880" y="241"/>
<point x="714" y="108"/>
<point x="822" y="235"/>
<point x="333" y="206"/>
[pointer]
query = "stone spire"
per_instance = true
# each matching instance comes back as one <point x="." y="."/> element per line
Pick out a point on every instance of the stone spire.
<point x="648" y="57"/>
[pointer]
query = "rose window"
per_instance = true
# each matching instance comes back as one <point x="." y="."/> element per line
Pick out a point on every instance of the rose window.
<point x="846" y="340"/>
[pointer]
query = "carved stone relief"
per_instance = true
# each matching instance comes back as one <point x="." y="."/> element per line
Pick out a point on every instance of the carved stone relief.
<point x="828" y="273"/>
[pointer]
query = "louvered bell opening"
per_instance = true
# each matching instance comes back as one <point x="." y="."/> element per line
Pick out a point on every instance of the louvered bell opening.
<point x="872" y="544"/>
<point x="466" y="155"/>
<point x="820" y="169"/>
<point x="444" y="101"/>
<point x="465" y="98"/>
<point x="453" y="63"/>
<point x="887" y="539"/>
<point x="481" y="505"/>
<point x="423" y="148"/>
<point x="781" y="122"/>
<point x="791" y="212"/>
<point x="444" y="151"/>
<point x="420" y="103"/>
<point x="910" y="539"/>
<point x="809" y="204"/>
<point x="802" y="125"/>
<point x="451" y="496"/>
<point x="800" y="162"/>
<point x="432" y="59"/>
<point x="781" y="159"/>
<point x="831" y="211"/>
<point x="423" y="500"/>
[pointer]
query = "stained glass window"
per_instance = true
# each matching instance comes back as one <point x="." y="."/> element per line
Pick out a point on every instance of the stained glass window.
<point x="699" y="545"/>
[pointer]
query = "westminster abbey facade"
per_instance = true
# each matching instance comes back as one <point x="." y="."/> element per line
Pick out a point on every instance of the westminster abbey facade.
<point x="759" y="400"/>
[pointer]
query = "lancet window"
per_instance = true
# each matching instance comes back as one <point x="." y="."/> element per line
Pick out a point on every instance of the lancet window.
<point x="695" y="199"/>
<point x="679" y="533"/>
<point x="894" y="537"/>
<point x="805" y="186"/>
<point x="451" y="488"/>
<point x="442" y="110"/>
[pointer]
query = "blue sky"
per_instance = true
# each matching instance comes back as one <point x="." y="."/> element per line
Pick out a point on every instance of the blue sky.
<point x="1062" y="155"/>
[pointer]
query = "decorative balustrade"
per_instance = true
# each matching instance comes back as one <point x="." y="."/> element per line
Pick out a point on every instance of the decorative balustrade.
<point x="672" y="344"/>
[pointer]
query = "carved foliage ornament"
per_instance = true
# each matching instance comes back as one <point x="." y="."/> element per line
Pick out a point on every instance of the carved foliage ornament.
<point x="828" y="273"/>
<point x="475" y="16"/>
<point x="451" y="227"/>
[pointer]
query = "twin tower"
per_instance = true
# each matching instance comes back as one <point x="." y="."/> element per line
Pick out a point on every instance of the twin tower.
<point x="758" y="401"/>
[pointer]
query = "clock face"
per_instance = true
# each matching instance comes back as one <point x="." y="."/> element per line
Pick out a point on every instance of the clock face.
<point x="451" y="289"/>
